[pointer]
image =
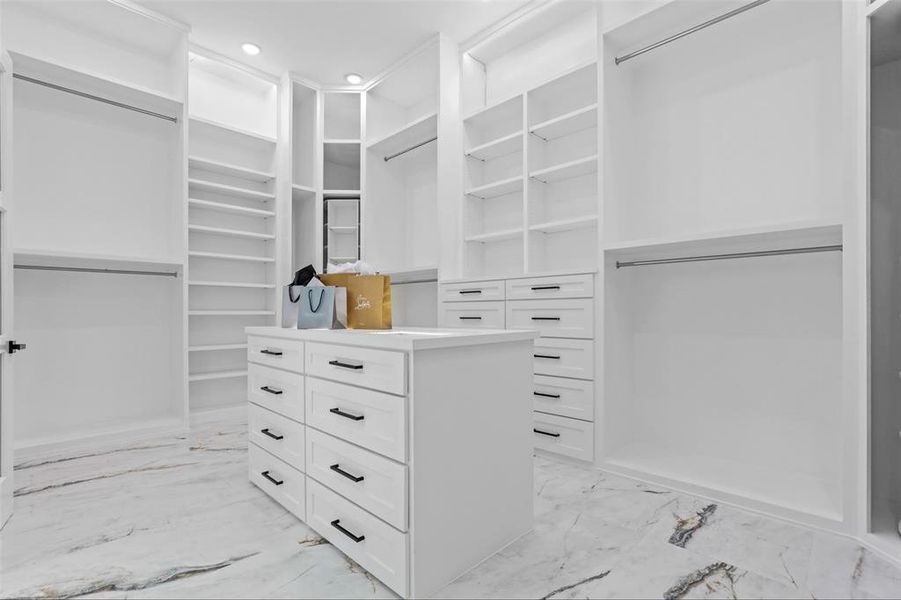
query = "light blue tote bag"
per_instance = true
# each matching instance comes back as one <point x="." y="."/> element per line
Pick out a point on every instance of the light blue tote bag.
<point x="322" y="307"/>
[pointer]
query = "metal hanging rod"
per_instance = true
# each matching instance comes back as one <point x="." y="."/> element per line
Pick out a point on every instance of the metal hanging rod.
<point x="396" y="154"/>
<point x="60" y="88"/>
<point x="681" y="34"/>
<point x="97" y="270"/>
<point x="429" y="280"/>
<point x="685" y="259"/>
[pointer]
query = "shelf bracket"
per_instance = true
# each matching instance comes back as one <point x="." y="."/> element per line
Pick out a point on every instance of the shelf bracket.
<point x="542" y="138"/>
<point x="537" y="179"/>
<point x="474" y="157"/>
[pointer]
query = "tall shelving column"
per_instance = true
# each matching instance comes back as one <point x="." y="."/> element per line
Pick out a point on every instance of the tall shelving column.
<point x="342" y="175"/>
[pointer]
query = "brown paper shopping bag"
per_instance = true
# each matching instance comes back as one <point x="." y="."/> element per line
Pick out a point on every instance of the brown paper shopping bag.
<point x="368" y="299"/>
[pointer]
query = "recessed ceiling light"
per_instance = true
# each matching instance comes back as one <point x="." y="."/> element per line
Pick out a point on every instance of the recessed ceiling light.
<point x="354" y="78"/>
<point x="251" y="49"/>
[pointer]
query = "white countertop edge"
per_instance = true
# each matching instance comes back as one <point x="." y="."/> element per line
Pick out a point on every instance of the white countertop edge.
<point x="369" y="338"/>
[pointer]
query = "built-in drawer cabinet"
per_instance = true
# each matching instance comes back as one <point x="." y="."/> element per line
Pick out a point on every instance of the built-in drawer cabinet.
<point x="553" y="318"/>
<point x="475" y="290"/>
<point x="284" y="483"/>
<point x="376" y="483"/>
<point x="375" y="545"/>
<point x="572" y="398"/>
<point x="279" y="391"/>
<point x="365" y="367"/>
<point x="564" y="358"/>
<point x="472" y="315"/>
<point x="276" y="434"/>
<point x="541" y="288"/>
<point x="570" y="437"/>
<point x="367" y="418"/>
<point x="276" y="352"/>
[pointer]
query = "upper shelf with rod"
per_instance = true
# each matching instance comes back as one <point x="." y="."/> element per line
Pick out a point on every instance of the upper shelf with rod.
<point x="411" y="135"/>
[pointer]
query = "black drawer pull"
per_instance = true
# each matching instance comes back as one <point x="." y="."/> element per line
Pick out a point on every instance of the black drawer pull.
<point x="545" y="287"/>
<point x="337" y="469"/>
<point x="270" y="390"/>
<point x="545" y="318"/>
<point x="271" y="352"/>
<point x="546" y="356"/>
<point x="357" y="538"/>
<point x="271" y="478"/>
<point x="547" y="433"/>
<point x="470" y="292"/>
<point x="272" y="435"/>
<point x="344" y="365"/>
<point x="470" y="318"/>
<point x="341" y="413"/>
<point x="544" y="395"/>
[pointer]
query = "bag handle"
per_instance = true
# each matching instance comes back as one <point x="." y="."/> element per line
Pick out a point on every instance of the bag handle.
<point x="310" y="298"/>
<point x="291" y="295"/>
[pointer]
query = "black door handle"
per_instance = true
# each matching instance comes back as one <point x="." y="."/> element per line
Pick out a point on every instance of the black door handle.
<point x="270" y="478"/>
<point x="272" y="435"/>
<point x="357" y="538"/>
<point x="344" y="365"/>
<point x="270" y="390"/>
<point x="470" y="291"/>
<point x="470" y="318"/>
<point x="547" y="433"/>
<point x="337" y="469"/>
<point x="545" y="287"/>
<point x="14" y="347"/>
<point x="545" y="318"/>
<point x="546" y="356"/>
<point x="341" y="413"/>
<point x="271" y="352"/>
<point x="546" y="395"/>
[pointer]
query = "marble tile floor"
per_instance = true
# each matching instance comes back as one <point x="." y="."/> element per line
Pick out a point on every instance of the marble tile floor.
<point x="175" y="517"/>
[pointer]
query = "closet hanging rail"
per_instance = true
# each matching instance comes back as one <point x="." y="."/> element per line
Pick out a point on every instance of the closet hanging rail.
<point x="681" y="34"/>
<point x="93" y="97"/>
<point x="396" y="154"/>
<point x="96" y="270"/>
<point x="685" y="259"/>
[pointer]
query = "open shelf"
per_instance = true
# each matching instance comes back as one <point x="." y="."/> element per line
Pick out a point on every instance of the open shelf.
<point x="496" y="188"/>
<point x="572" y="122"/>
<point x="222" y="256"/>
<point x="199" y="121"/>
<point x="298" y="190"/>
<point x="229" y="190"/>
<point x="408" y="135"/>
<point x="51" y="258"/>
<point x="231" y="232"/>
<point x="217" y="347"/>
<point x="230" y="170"/>
<point x="502" y="146"/>
<point x="231" y="313"/>
<point x="216" y="375"/>
<point x="230" y="208"/>
<point x="495" y="236"/>
<point x="341" y="194"/>
<point x="231" y="284"/>
<point x="567" y="170"/>
<point x="565" y="224"/>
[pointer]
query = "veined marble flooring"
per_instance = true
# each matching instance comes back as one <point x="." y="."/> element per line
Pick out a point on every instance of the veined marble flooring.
<point x="175" y="517"/>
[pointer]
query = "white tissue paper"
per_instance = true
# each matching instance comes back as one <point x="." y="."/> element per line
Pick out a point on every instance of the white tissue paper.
<point x="315" y="283"/>
<point x="359" y="266"/>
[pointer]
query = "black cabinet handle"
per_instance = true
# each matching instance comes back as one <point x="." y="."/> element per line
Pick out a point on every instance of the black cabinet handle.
<point x="547" y="433"/>
<point x="271" y="478"/>
<point x="341" y="413"/>
<point x="546" y="356"/>
<point x="545" y="287"/>
<point x="271" y="352"/>
<point x="470" y="292"/>
<point x="470" y="318"/>
<point x="344" y="365"/>
<point x="545" y="318"/>
<point x="357" y="538"/>
<point x="337" y="469"/>
<point x="270" y="390"/>
<point x="272" y="435"/>
<point x="546" y="395"/>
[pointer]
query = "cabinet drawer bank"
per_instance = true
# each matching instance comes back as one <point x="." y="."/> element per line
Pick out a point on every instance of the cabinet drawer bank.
<point x="368" y="437"/>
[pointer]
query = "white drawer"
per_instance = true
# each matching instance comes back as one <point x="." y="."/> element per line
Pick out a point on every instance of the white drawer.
<point x="377" y="369"/>
<point x="373" y="544"/>
<point x="475" y="290"/>
<point x="370" y="419"/>
<point x="376" y="483"/>
<point x="278" y="435"/>
<point x="560" y="435"/>
<point x="284" y="483"/>
<point x="471" y="315"/>
<point x="279" y="391"/>
<point x="562" y="396"/>
<point x="553" y="318"/>
<point x="564" y="286"/>
<point x="564" y="358"/>
<point x="275" y="352"/>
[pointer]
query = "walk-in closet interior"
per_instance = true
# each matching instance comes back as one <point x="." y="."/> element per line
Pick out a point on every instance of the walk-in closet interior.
<point x="663" y="234"/>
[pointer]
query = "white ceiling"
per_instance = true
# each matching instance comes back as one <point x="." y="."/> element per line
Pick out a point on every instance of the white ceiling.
<point x="323" y="40"/>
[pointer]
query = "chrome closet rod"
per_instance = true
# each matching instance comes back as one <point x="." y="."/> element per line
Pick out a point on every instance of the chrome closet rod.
<point x="684" y="259"/>
<point x="97" y="270"/>
<point x="61" y="88"/>
<point x="681" y="34"/>
<point x="396" y="154"/>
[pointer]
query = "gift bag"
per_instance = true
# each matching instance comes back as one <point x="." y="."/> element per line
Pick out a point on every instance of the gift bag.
<point x="368" y="299"/>
<point x="322" y="307"/>
<point x="291" y="295"/>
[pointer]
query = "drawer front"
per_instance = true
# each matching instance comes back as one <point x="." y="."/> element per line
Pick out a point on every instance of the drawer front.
<point x="275" y="352"/>
<point x="277" y="435"/>
<point x="471" y="315"/>
<point x="553" y="318"/>
<point x="476" y="290"/>
<point x="565" y="286"/>
<point x="375" y="369"/>
<point x="563" y="396"/>
<point x="284" y="483"/>
<point x="564" y="358"/>
<point x="560" y="435"/>
<point x="376" y="483"/>
<point x="373" y="544"/>
<point x="279" y="391"/>
<point x="370" y="419"/>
